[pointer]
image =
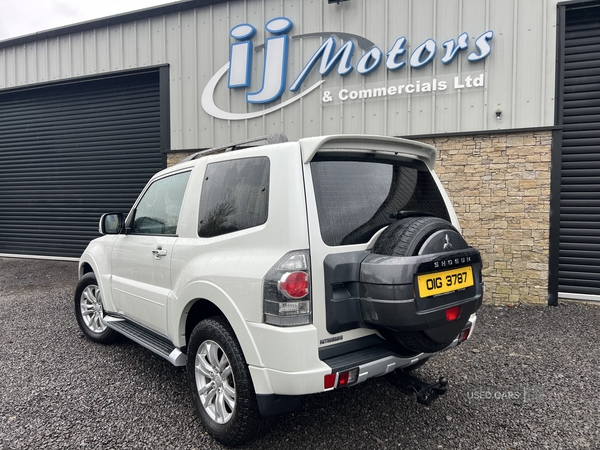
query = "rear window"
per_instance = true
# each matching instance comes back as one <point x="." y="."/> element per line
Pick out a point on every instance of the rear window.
<point x="358" y="197"/>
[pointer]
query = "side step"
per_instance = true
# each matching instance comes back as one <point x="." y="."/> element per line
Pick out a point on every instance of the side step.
<point x="154" y="343"/>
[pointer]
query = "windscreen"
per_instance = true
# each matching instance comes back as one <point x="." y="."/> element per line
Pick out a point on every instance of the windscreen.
<point x="357" y="197"/>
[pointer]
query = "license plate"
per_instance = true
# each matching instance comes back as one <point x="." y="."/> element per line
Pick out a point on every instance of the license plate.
<point x="444" y="282"/>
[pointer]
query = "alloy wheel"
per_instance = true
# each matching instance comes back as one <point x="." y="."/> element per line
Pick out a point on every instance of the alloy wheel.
<point x="215" y="383"/>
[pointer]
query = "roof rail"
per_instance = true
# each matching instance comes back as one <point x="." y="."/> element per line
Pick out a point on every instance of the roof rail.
<point x="276" y="138"/>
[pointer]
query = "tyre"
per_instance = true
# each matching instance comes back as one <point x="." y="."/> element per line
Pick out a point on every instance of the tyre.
<point x="409" y="237"/>
<point x="221" y="385"/>
<point x="89" y="311"/>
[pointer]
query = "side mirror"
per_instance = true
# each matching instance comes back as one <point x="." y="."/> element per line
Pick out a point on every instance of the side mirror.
<point x="111" y="223"/>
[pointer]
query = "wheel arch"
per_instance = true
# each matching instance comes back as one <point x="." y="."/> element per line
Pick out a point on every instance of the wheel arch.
<point x="200" y="300"/>
<point x="101" y="268"/>
<point x="84" y="268"/>
<point x="200" y="309"/>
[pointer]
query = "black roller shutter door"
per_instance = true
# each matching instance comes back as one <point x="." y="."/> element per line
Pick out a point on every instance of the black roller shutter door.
<point x="69" y="153"/>
<point x="579" y="248"/>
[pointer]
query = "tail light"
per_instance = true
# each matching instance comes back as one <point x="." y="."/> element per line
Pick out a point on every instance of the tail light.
<point x="294" y="285"/>
<point x="340" y="379"/>
<point x="286" y="291"/>
<point x="464" y="334"/>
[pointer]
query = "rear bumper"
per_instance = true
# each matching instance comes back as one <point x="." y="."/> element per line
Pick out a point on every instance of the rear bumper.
<point x="372" y="361"/>
<point x="379" y="360"/>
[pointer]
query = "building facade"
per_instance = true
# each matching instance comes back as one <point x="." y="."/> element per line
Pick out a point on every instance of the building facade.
<point x="508" y="91"/>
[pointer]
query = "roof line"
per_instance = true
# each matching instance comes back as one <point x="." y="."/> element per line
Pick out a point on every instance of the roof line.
<point x="109" y="21"/>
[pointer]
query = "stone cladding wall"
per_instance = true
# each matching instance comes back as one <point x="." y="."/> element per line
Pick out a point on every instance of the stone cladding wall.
<point x="500" y="187"/>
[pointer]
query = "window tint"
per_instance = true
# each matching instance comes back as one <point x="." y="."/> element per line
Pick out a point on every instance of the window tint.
<point x="356" y="198"/>
<point x="235" y="196"/>
<point x="158" y="210"/>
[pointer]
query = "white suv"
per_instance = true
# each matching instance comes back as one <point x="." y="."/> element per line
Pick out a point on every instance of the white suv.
<point x="282" y="270"/>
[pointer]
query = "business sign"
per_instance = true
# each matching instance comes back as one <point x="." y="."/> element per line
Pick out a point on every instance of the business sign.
<point x="357" y="54"/>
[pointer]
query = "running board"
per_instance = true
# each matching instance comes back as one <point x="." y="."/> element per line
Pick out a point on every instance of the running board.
<point x="154" y="343"/>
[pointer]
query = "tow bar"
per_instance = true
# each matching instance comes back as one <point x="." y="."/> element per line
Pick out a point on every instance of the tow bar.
<point x="426" y="393"/>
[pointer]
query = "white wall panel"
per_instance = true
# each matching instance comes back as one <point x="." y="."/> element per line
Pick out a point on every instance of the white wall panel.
<point x="529" y="60"/>
<point x="500" y="68"/>
<point x="89" y="52"/>
<point x="519" y="73"/>
<point x="548" y="68"/>
<point x="102" y="50"/>
<point x="53" y="59"/>
<point x="237" y="14"/>
<point x="21" y="65"/>
<point x="205" y="70"/>
<point x="31" y="67"/>
<point x="64" y="55"/>
<point x="311" y="112"/>
<point x="78" y="55"/>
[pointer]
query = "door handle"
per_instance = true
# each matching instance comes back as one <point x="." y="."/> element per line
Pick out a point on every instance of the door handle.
<point x="159" y="253"/>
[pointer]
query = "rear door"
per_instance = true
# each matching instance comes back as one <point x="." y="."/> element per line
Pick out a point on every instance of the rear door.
<point x="352" y="196"/>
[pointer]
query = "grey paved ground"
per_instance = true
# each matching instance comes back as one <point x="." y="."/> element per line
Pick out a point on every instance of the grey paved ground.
<point x="528" y="379"/>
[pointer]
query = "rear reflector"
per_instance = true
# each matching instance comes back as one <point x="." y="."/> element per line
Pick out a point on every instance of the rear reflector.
<point x="330" y="381"/>
<point x="453" y="313"/>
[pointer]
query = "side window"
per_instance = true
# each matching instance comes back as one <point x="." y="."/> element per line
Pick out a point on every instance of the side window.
<point x="235" y="196"/>
<point x="158" y="210"/>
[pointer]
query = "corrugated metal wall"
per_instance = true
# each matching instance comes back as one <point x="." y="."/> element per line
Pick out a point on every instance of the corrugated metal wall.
<point x="195" y="43"/>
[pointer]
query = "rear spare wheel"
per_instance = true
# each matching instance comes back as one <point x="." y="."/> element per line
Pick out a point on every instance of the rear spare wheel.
<point x="417" y="236"/>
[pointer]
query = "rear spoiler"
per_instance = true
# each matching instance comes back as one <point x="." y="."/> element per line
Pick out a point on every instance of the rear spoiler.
<point x="373" y="144"/>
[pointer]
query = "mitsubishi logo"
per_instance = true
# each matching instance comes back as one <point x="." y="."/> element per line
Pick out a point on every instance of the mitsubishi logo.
<point x="447" y="244"/>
